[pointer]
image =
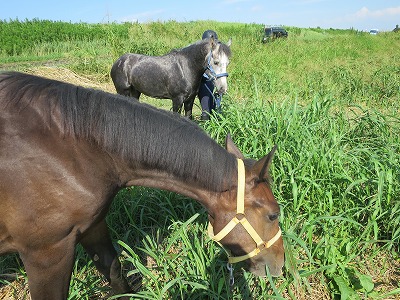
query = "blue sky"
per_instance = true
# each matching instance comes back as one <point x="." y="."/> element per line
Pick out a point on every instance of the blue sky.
<point x="342" y="14"/>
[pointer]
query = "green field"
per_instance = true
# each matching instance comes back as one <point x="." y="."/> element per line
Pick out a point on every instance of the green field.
<point x="330" y="100"/>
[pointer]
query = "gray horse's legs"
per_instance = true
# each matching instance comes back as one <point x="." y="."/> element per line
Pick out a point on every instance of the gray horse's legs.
<point x="127" y="90"/>
<point x="176" y="106"/>
<point x="98" y="244"/>
<point x="188" y="108"/>
<point x="134" y="93"/>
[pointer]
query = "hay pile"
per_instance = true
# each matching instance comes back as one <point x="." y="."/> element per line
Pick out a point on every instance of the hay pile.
<point x="66" y="75"/>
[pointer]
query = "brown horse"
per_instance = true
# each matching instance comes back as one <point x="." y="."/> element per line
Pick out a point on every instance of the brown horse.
<point x="65" y="151"/>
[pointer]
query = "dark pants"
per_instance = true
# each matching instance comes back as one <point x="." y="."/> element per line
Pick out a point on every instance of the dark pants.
<point x="206" y="98"/>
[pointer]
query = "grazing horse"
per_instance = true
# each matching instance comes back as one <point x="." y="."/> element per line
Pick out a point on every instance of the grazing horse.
<point x="176" y="75"/>
<point x="65" y="151"/>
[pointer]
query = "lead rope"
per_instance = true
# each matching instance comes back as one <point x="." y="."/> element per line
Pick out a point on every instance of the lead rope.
<point x="230" y="268"/>
<point x="216" y="99"/>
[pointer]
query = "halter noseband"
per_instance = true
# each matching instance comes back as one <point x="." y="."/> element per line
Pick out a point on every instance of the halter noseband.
<point x="213" y="75"/>
<point x="240" y="217"/>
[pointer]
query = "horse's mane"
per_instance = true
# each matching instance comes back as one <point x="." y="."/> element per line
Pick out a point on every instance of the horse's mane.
<point x="224" y="48"/>
<point x="196" y="51"/>
<point x="204" y="47"/>
<point x="136" y="132"/>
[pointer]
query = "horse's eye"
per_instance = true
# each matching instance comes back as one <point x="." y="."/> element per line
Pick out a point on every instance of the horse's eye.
<point x="216" y="63"/>
<point x="273" y="217"/>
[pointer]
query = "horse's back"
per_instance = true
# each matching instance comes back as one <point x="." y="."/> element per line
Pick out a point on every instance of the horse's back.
<point x="154" y="76"/>
<point x="132" y="64"/>
<point x="49" y="181"/>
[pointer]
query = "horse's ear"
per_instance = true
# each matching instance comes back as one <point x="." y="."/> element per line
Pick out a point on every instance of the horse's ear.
<point x="232" y="148"/>
<point x="261" y="167"/>
<point x="229" y="43"/>
<point x="213" y="42"/>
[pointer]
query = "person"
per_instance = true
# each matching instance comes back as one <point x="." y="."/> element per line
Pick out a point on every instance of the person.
<point x="208" y="100"/>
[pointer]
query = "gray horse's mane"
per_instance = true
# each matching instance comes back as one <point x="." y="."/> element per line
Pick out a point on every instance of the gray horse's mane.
<point x="204" y="49"/>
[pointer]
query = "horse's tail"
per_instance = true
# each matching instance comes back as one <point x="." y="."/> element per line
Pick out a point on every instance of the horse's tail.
<point x="120" y="75"/>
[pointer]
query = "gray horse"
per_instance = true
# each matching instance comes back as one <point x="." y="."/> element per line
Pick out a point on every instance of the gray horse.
<point x="175" y="75"/>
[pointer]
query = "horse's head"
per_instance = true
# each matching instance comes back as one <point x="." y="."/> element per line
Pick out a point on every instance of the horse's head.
<point x="218" y="61"/>
<point x="249" y="228"/>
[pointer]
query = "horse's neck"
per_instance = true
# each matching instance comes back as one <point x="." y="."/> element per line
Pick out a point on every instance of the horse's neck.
<point x="197" y="172"/>
<point x="196" y="58"/>
<point x="166" y="181"/>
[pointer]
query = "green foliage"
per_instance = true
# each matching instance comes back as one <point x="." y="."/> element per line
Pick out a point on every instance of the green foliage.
<point x="336" y="177"/>
<point x="18" y="37"/>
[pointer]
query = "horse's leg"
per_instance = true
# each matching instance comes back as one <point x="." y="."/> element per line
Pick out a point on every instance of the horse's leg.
<point x="177" y="104"/>
<point x="128" y="92"/>
<point x="189" y="107"/>
<point x="98" y="245"/>
<point x="134" y="92"/>
<point x="177" y="108"/>
<point x="123" y="91"/>
<point x="49" y="269"/>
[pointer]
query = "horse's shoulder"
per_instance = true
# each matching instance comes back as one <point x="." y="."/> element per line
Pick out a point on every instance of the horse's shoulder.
<point x="133" y="58"/>
<point x="135" y="55"/>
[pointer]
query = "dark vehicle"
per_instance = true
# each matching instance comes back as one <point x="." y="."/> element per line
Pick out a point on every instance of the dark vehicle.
<point x="274" y="32"/>
<point x="374" y="31"/>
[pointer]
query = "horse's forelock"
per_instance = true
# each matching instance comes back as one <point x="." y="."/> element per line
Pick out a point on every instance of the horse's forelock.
<point x="224" y="49"/>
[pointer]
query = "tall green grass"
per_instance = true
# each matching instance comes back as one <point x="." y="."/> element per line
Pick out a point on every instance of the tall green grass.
<point x="337" y="181"/>
<point x="329" y="99"/>
<point x="337" y="178"/>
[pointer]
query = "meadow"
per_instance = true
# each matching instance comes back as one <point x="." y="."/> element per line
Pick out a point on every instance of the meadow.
<point x="329" y="99"/>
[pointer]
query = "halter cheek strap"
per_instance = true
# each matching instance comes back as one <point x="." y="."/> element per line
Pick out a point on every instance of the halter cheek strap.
<point x="240" y="217"/>
<point x="213" y="75"/>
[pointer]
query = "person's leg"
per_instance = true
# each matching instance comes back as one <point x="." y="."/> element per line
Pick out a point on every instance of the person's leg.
<point x="206" y="98"/>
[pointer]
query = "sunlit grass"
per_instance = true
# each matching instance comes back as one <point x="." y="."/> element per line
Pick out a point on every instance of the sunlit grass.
<point x="336" y="179"/>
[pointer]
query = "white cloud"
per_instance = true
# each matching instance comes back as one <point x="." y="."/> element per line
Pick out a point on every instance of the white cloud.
<point x="366" y="13"/>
